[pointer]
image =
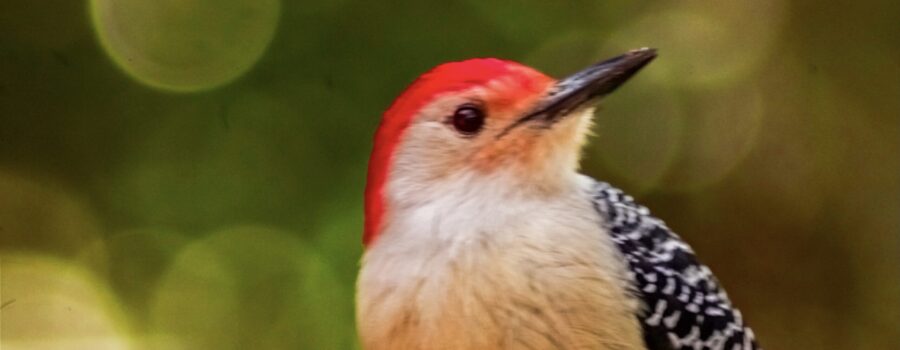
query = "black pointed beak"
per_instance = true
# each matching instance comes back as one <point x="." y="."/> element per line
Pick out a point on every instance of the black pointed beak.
<point x="589" y="85"/>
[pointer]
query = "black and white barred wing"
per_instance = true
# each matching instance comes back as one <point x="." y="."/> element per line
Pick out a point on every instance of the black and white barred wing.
<point x="684" y="307"/>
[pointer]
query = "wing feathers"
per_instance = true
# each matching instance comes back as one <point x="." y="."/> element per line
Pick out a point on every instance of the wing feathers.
<point x="684" y="306"/>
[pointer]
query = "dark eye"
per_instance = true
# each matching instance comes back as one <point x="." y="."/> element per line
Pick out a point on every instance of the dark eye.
<point x="468" y="119"/>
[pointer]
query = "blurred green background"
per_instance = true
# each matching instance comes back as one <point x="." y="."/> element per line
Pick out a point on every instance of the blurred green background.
<point x="188" y="174"/>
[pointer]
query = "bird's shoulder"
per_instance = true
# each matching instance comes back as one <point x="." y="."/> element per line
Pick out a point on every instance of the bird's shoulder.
<point x="684" y="306"/>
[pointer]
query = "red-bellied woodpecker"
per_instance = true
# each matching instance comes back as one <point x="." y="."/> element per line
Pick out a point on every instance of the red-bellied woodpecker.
<point x="481" y="234"/>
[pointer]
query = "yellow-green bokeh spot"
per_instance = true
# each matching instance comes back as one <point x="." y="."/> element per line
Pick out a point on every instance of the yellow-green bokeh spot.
<point x="250" y="287"/>
<point x="39" y="214"/>
<point x="52" y="303"/>
<point x="704" y="45"/>
<point x="185" y="45"/>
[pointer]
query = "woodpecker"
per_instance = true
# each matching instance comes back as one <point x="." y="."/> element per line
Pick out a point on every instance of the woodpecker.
<point x="480" y="233"/>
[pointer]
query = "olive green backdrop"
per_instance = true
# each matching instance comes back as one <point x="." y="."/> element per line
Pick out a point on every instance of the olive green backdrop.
<point x="189" y="174"/>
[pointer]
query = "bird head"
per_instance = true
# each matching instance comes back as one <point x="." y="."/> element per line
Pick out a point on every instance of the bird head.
<point x="485" y="125"/>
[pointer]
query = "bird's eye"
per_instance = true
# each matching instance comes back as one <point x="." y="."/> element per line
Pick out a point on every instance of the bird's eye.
<point x="468" y="119"/>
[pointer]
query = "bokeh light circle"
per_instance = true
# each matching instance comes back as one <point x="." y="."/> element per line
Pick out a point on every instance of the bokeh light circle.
<point x="721" y="131"/>
<point x="132" y="261"/>
<point x="705" y="45"/>
<point x="185" y="45"/>
<point x="50" y="303"/>
<point x="250" y="287"/>
<point x="565" y="53"/>
<point x="639" y="134"/>
<point x="38" y="214"/>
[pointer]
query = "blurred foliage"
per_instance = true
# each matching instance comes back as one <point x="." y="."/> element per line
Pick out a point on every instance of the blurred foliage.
<point x="188" y="174"/>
